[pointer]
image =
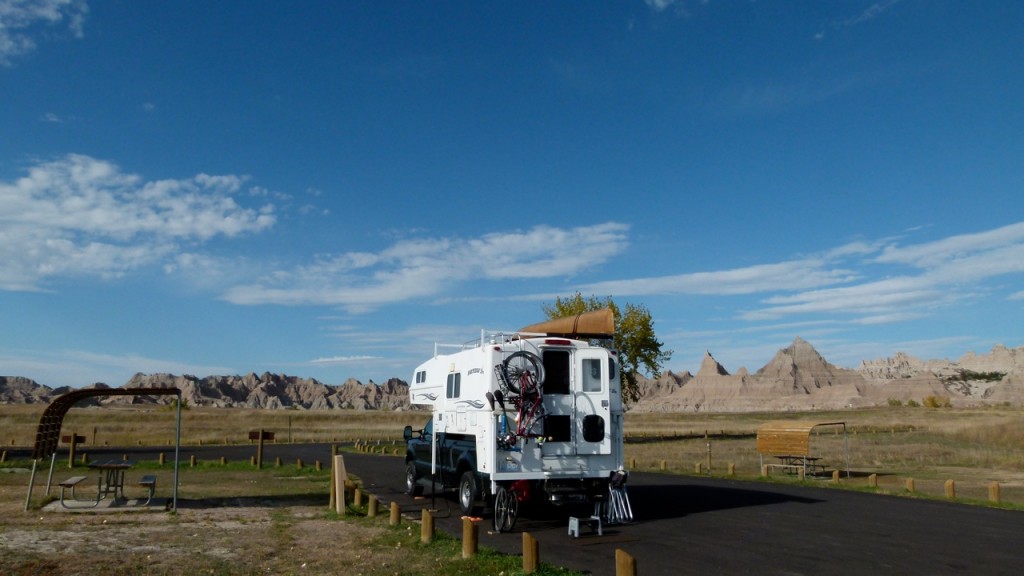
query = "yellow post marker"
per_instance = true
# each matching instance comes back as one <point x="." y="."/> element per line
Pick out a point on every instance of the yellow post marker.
<point x="993" y="492"/>
<point x="371" y="509"/>
<point x="396" y="514"/>
<point x="950" y="489"/>
<point x="910" y="485"/>
<point x="470" y="536"/>
<point x="531" y="553"/>
<point x="625" y="564"/>
<point x="427" y="527"/>
<point x="340" y="476"/>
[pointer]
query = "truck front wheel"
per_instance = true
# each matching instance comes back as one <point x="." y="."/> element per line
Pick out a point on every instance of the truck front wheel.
<point x="467" y="494"/>
<point x="412" y="487"/>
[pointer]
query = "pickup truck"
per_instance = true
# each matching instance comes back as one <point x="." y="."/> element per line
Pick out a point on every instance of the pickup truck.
<point x="455" y="466"/>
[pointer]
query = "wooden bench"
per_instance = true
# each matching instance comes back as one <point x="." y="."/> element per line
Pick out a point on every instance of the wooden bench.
<point x="72" y="483"/>
<point x="148" y="481"/>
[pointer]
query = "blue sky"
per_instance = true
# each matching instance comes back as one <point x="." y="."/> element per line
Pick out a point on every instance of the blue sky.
<point x="325" y="189"/>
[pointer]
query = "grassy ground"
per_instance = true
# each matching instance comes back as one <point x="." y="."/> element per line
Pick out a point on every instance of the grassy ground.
<point x="243" y="521"/>
<point x="233" y="520"/>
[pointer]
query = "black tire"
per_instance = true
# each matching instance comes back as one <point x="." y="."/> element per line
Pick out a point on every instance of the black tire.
<point x="520" y="365"/>
<point x="412" y="487"/>
<point x="506" y="510"/>
<point x="468" y="502"/>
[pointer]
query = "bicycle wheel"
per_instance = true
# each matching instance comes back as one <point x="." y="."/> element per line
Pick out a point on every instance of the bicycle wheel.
<point x="506" y="509"/>
<point x="523" y="370"/>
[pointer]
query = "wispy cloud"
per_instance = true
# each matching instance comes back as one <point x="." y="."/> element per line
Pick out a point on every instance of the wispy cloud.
<point x="20" y="19"/>
<point x="427" y="267"/>
<point x="334" y="360"/>
<point x="877" y="282"/>
<point x="870" y="13"/>
<point x="81" y="216"/>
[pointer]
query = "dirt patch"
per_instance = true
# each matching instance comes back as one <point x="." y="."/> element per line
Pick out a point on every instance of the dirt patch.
<point x="199" y="539"/>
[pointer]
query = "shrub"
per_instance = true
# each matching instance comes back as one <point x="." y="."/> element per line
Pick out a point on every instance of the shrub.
<point x="895" y="402"/>
<point x="912" y="404"/>
<point x="936" y="402"/>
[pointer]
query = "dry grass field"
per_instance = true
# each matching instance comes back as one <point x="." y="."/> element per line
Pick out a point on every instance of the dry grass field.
<point x="276" y="520"/>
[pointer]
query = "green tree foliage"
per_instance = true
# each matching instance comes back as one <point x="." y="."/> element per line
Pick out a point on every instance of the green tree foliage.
<point x="638" y="348"/>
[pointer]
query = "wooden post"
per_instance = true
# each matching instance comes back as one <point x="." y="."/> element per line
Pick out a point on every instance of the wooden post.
<point x="85" y="458"/>
<point x="800" y="474"/>
<point x="531" y="553"/>
<point x="708" y="440"/>
<point x="277" y="462"/>
<point x="163" y="458"/>
<point x="192" y="461"/>
<point x="910" y="485"/>
<point x="298" y="463"/>
<point x="625" y="565"/>
<point x="632" y="463"/>
<point x="396" y="514"/>
<point x="950" y="489"/>
<point x="427" y="527"/>
<point x="993" y="492"/>
<point x="732" y="469"/>
<point x="664" y="465"/>
<point x="764" y="470"/>
<point x="252" y="461"/>
<point x="873" y="481"/>
<point x="835" y="476"/>
<point x="340" y="476"/>
<point x="470" y="535"/>
<point x="332" y="500"/>
<point x="357" y="498"/>
<point x="71" y="452"/>
<point x="223" y="460"/>
<point x="259" y="449"/>
<point x="371" y="509"/>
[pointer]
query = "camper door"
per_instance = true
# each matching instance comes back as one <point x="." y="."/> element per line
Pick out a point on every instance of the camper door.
<point x="592" y="402"/>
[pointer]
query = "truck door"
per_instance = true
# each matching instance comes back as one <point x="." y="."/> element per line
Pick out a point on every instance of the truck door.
<point x="592" y="402"/>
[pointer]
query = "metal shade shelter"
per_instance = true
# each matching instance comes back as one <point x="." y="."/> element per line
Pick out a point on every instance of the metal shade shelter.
<point x="48" y="432"/>
<point x="792" y="438"/>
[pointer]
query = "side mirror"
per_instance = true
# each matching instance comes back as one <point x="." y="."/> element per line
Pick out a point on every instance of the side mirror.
<point x="407" y="433"/>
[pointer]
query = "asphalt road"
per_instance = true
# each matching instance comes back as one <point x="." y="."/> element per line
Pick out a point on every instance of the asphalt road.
<point x="688" y="525"/>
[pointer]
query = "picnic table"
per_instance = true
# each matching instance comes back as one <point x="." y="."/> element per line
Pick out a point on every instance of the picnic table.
<point x="110" y="483"/>
<point x="111" y="477"/>
<point x="796" y="462"/>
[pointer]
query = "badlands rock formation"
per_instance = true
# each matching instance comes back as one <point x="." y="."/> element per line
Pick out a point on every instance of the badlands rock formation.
<point x="797" y="378"/>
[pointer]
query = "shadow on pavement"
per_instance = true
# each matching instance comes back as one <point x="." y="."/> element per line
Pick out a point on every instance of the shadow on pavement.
<point x="659" y="502"/>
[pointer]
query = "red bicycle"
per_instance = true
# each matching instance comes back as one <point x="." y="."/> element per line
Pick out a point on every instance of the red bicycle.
<point x="522" y="376"/>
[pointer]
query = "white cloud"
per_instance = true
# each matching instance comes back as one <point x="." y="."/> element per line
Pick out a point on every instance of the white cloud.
<point x="81" y="216"/>
<point x="792" y="275"/>
<point x="867" y="282"/>
<point x="20" y="18"/>
<point x="425" y="267"/>
<point x="341" y="360"/>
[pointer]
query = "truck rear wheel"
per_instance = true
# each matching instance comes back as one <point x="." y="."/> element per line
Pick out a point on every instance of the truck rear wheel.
<point x="467" y="494"/>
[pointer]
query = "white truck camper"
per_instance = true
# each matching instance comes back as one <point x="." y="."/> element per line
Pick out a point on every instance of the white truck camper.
<point x="522" y="416"/>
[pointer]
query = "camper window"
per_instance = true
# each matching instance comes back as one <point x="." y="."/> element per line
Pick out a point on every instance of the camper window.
<point x="454" y="383"/>
<point x="591" y="377"/>
<point x="556" y="372"/>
